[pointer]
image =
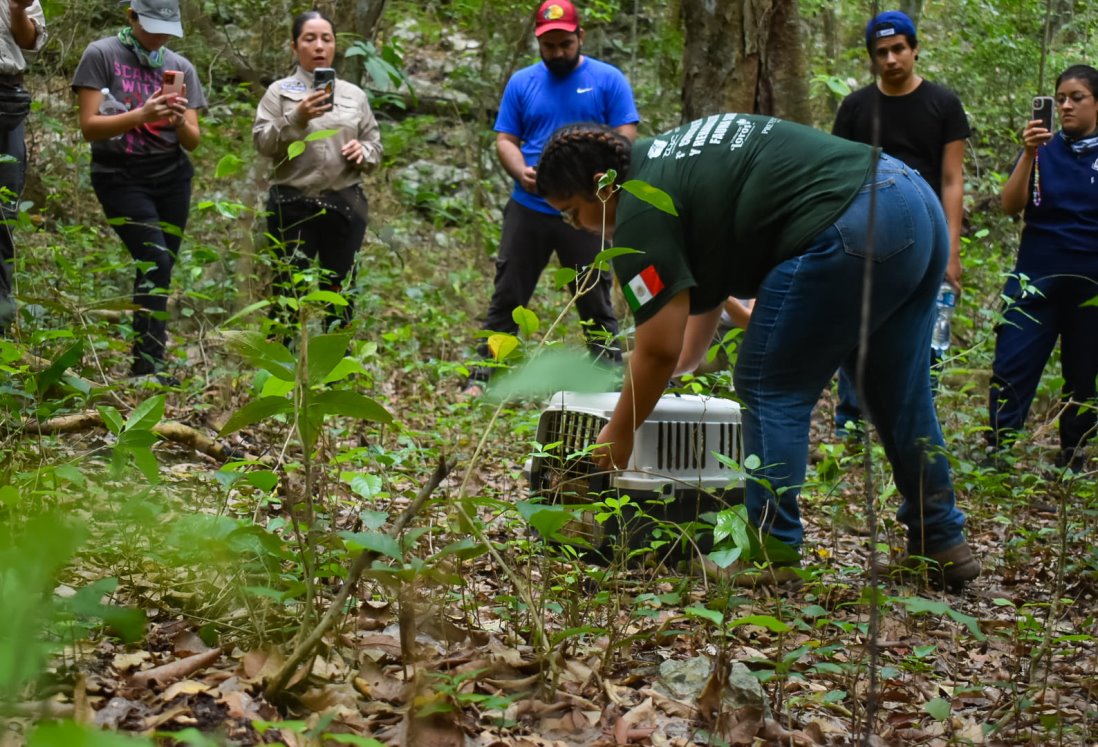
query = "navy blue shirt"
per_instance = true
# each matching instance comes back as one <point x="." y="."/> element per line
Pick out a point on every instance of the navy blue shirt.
<point x="1061" y="233"/>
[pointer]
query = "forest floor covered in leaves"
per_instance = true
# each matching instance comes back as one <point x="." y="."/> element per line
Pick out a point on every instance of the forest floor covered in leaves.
<point x="532" y="645"/>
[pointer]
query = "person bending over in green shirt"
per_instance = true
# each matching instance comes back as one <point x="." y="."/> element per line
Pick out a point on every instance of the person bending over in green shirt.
<point x="780" y="212"/>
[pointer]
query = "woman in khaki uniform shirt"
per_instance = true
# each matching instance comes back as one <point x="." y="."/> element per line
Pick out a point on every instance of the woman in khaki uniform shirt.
<point x="316" y="207"/>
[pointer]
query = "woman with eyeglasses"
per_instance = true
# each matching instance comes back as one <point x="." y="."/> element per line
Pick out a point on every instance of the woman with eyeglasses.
<point x="1055" y="182"/>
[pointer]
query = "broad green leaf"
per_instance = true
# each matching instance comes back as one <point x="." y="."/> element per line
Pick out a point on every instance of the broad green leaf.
<point x="348" y="404"/>
<point x="146" y="462"/>
<point x="320" y="135"/>
<point x="771" y="623"/>
<point x="526" y="320"/>
<point x="938" y="708"/>
<point x="246" y="311"/>
<point x="52" y="374"/>
<point x="128" y="622"/>
<point x="146" y="415"/>
<point x="255" y="411"/>
<point x="725" y="558"/>
<point x="69" y="734"/>
<point x="353" y="739"/>
<point x="295" y="149"/>
<point x="9" y="495"/>
<point x="654" y="196"/>
<point x="733" y="522"/>
<point x="343" y="369"/>
<point x="111" y="419"/>
<point x="696" y="610"/>
<point x="325" y="297"/>
<point x="554" y="370"/>
<point x="191" y="737"/>
<point x="324" y="353"/>
<point x="260" y="352"/>
<point x="138" y="438"/>
<point x="365" y="486"/>
<point x="263" y="479"/>
<point x="615" y="251"/>
<point x="1091" y="302"/>
<point x="229" y="165"/>
<point x="546" y="520"/>
<point x="562" y="276"/>
<point x="380" y="543"/>
<point x="502" y="345"/>
<point x="466" y="548"/>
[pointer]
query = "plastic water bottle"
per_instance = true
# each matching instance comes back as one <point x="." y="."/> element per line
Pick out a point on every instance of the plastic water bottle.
<point x="947" y="302"/>
<point x="111" y="105"/>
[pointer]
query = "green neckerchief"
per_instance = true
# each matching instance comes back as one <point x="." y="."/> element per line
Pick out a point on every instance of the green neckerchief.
<point x="148" y="59"/>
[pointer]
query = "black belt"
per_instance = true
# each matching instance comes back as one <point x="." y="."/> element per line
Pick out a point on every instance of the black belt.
<point x="11" y="79"/>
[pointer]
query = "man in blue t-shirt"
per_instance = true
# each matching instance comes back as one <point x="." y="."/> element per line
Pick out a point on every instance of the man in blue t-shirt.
<point x="564" y="88"/>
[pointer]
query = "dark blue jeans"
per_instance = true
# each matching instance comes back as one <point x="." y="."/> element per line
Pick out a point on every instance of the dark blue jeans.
<point x="12" y="177"/>
<point x="146" y="205"/>
<point x="1024" y="341"/>
<point x="805" y="325"/>
<point x="848" y="410"/>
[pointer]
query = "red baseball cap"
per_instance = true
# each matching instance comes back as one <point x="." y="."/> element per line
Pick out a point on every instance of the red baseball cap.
<point x="554" y="15"/>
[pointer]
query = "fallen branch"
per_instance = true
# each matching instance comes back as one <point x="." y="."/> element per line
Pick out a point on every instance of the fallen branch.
<point x="277" y="683"/>
<point x="168" y="430"/>
<point x="175" y="670"/>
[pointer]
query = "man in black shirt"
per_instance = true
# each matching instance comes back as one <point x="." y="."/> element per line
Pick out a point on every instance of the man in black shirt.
<point x="921" y="123"/>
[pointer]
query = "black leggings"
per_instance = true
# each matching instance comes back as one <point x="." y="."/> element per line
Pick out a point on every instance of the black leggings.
<point x="146" y="204"/>
<point x="329" y="230"/>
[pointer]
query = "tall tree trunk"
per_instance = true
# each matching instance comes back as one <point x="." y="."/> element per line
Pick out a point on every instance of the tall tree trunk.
<point x="743" y="56"/>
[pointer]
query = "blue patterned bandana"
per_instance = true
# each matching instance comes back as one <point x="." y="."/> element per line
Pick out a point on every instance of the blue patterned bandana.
<point x="155" y="60"/>
<point x="1083" y="145"/>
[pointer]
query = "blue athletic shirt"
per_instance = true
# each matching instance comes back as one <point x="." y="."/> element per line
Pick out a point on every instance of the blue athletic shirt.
<point x="536" y="103"/>
<point x="1061" y="233"/>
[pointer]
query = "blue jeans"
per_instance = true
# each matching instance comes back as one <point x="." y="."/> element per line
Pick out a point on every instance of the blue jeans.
<point x="848" y="409"/>
<point x="805" y="325"/>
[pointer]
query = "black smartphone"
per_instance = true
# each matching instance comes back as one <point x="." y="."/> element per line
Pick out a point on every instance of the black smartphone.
<point x="1042" y="110"/>
<point x="324" y="78"/>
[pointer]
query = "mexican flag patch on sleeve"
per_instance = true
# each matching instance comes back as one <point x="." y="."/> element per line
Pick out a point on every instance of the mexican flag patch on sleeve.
<point x="643" y="287"/>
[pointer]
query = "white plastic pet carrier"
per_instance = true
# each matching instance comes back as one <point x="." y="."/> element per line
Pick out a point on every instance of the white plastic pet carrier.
<point x="673" y="473"/>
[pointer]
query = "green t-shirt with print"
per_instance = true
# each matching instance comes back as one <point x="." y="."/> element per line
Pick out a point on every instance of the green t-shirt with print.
<point x="750" y="190"/>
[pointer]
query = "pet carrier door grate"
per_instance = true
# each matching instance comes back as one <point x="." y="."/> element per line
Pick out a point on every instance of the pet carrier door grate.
<point x="673" y="472"/>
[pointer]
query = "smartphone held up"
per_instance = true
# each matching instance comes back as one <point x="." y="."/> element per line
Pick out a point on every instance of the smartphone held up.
<point x="173" y="83"/>
<point x="1043" y="107"/>
<point x="324" y="80"/>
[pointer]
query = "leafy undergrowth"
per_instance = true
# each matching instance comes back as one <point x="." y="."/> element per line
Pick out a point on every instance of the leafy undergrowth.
<point x="158" y="590"/>
<point x="533" y="645"/>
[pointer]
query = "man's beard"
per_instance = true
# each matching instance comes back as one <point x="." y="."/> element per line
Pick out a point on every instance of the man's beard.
<point x="561" y="66"/>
